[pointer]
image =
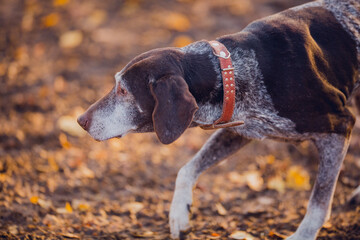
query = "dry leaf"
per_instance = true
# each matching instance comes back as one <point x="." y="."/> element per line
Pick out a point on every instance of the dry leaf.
<point x="134" y="207"/>
<point x="236" y="178"/>
<point x="58" y="3"/>
<point x="65" y="210"/>
<point x="68" y="207"/>
<point x="63" y="141"/>
<point x="276" y="234"/>
<point x="34" y="199"/>
<point x="220" y="209"/>
<point x="51" y="20"/>
<point x="70" y="235"/>
<point x="276" y="183"/>
<point x="254" y="180"/>
<point x="177" y="21"/>
<point x="71" y="39"/>
<point x="44" y="203"/>
<point x="69" y="125"/>
<point x="241" y="235"/>
<point x="182" y="41"/>
<point x="85" y="172"/>
<point x="97" y="17"/>
<point x="13" y="229"/>
<point x="297" y="178"/>
<point x="327" y="225"/>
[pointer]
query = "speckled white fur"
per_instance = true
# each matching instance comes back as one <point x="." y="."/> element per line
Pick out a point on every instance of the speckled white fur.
<point x="117" y="118"/>
<point x="256" y="108"/>
<point x="348" y="14"/>
<point x="332" y="149"/>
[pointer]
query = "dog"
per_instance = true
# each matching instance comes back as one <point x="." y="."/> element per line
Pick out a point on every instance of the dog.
<point x="293" y="75"/>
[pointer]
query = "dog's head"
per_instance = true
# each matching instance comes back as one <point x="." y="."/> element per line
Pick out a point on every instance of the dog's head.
<point x="150" y="94"/>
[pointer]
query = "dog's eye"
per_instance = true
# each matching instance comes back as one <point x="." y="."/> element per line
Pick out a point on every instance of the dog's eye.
<point x="120" y="91"/>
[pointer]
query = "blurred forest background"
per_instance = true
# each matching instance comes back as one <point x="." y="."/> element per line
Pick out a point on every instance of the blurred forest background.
<point x="59" y="56"/>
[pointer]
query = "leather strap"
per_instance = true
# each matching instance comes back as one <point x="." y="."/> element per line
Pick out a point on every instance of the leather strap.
<point x="228" y="79"/>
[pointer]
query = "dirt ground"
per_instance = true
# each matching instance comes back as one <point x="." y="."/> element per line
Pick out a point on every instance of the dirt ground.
<point x="59" y="56"/>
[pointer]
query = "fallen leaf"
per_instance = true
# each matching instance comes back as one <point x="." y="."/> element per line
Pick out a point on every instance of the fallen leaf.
<point x="134" y="207"/>
<point x="177" y="22"/>
<point x="44" y="203"/>
<point x="13" y="229"/>
<point x="276" y="234"/>
<point x="34" y="199"/>
<point x="71" y="39"/>
<point x="254" y="180"/>
<point x="69" y="125"/>
<point x="297" y="178"/>
<point x="58" y="3"/>
<point x="241" y="235"/>
<point x="236" y="178"/>
<point x="51" y="20"/>
<point x="63" y="141"/>
<point x="276" y="183"/>
<point x="220" y="209"/>
<point x="327" y="225"/>
<point x="182" y="41"/>
<point x="68" y="207"/>
<point x="70" y="235"/>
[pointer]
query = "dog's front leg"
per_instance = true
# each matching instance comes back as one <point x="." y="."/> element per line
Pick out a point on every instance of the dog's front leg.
<point x="220" y="145"/>
<point x="332" y="149"/>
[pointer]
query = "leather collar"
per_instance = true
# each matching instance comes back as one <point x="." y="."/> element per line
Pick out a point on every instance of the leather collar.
<point x="228" y="80"/>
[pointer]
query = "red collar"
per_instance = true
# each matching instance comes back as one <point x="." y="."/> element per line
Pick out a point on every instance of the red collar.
<point x="228" y="79"/>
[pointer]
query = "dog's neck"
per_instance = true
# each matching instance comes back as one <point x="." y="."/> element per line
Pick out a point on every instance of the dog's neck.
<point x="202" y="72"/>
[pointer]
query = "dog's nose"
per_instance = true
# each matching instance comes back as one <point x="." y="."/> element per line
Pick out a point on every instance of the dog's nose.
<point x="84" y="121"/>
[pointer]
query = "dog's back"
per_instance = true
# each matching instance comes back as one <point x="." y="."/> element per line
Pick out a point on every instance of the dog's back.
<point x="347" y="12"/>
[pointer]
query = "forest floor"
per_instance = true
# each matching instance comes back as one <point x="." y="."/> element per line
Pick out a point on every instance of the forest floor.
<point x="57" y="57"/>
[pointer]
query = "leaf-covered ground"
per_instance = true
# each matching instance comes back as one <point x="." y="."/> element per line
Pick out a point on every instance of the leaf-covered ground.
<point x="59" y="56"/>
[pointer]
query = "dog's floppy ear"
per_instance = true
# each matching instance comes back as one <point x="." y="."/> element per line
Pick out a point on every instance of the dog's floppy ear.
<point x="174" y="108"/>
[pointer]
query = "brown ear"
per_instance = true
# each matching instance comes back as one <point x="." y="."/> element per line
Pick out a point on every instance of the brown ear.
<point x="174" y="108"/>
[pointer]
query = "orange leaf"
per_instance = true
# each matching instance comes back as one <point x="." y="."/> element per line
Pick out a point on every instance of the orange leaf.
<point x="51" y="20"/>
<point x="58" y="3"/>
<point x="182" y="41"/>
<point x="34" y="199"/>
<point x="298" y="178"/>
<point x="68" y="207"/>
<point x="178" y="22"/>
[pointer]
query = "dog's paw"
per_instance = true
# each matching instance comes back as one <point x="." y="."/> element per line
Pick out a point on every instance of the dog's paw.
<point x="179" y="218"/>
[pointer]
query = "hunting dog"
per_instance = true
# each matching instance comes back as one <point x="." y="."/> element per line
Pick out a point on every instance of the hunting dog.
<point x="294" y="75"/>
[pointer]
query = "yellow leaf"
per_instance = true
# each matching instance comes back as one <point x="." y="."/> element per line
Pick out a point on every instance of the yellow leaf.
<point x="68" y="207"/>
<point x="63" y="141"/>
<point x="177" y="22"/>
<point x="298" y="178"/>
<point x="276" y="183"/>
<point x="58" y="3"/>
<point x="182" y="41"/>
<point x="51" y="20"/>
<point x="270" y="159"/>
<point x="71" y="39"/>
<point x="83" y="207"/>
<point x="34" y="199"/>
<point x="97" y="17"/>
